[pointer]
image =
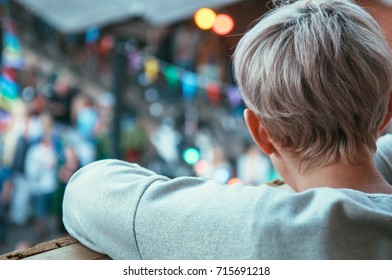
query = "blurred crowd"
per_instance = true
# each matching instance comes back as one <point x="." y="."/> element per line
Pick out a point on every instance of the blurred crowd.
<point x="53" y="128"/>
<point x="53" y="125"/>
<point x="47" y="134"/>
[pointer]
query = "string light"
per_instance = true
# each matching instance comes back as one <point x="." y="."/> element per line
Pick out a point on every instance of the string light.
<point x="223" y="24"/>
<point x="191" y="156"/>
<point x="205" y="18"/>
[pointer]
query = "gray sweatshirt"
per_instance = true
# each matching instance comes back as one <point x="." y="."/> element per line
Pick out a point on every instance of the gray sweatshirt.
<point x="129" y="212"/>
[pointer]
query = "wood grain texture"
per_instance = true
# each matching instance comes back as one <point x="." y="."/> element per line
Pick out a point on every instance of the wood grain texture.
<point x="71" y="252"/>
<point x="65" y="248"/>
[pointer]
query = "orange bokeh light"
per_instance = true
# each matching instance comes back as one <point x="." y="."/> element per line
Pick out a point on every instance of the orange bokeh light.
<point x="235" y="181"/>
<point x="223" y="24"/>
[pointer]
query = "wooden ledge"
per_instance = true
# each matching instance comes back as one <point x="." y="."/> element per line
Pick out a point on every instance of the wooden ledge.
<point x="65" y="248"/>
<point x="276" y="183"/>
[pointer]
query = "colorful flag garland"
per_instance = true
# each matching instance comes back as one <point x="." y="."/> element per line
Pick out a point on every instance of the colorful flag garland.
<point x="189" y="82"/>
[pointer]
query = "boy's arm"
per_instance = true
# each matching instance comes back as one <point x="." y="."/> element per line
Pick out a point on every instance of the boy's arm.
<point x="100" y="204"/>
<point x="129" y="212"/>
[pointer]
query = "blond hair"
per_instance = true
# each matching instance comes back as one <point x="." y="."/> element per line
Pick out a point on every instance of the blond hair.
<point x="318" y="74"/>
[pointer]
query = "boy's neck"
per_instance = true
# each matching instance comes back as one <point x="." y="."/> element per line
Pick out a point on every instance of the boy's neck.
<point x="362" y="177"/>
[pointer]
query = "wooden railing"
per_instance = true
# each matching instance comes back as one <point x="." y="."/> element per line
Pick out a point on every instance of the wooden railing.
<point x="65" y="248"/>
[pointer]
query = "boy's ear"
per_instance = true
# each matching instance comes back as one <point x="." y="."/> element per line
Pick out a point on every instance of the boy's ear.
<point x="388" y="116"/>
<point x="258" y="132"/>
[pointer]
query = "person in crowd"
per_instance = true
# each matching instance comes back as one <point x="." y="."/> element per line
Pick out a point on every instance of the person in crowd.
<point x="66" y="169"/>
<point x="216" y="166"/>
<point x="211" y="59"/>
<point x="135" y="141"/>
<point x="5" y="195"/>
<point x="316" y="77"/>
<point x="86" y="119"/>
<point x="60" y="100"/>
<point x="185" y="44"/>
<point x="41" y="173"/>
<point x="16" y="145"/>
<point x="254" y="167"/>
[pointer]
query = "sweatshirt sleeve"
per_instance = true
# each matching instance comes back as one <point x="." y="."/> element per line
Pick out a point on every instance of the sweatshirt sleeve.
<point x="100" y="204"/>
<point x="128" y="212"/>
<point x="383" y="157"/>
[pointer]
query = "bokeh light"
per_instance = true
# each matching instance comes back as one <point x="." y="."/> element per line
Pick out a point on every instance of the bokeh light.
<point x="205" y="18"/>
<point x="235" y="182"/>
<point x="223" y="24"/>
<point x="191" y="156"/>
<point x="156" y="109"/>
<point x="221" y="175"/>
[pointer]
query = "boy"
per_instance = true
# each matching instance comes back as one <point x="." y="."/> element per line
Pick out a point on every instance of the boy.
<point x="316" y="76"/>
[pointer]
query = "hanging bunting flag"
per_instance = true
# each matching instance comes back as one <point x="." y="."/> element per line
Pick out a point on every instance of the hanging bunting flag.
<point x="135" y="61"/>
<point x="92" y="35"/>
<point x="189" y="84"/>
<point x="189" y="81"/>
<point x="172" y="75"/>
<point x="105" y="44"/>
<point x="12" y="53"/>
<point x="151" y="68"/>
<point x="214" y="92"/>
<point x="234" y="96"/>
<point x="8" y="87"/>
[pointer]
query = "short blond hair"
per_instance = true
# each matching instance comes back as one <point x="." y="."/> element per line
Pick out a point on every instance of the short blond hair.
<point x="318" y="73"/>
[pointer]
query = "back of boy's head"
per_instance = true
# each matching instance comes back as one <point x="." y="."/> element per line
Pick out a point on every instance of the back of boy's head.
<point x="318" y="74"/>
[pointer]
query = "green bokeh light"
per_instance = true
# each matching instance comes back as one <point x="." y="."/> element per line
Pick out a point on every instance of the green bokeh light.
<point x="191" y="155"/>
